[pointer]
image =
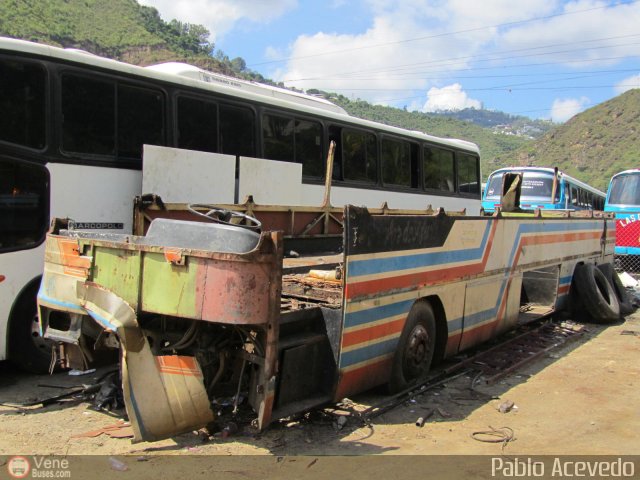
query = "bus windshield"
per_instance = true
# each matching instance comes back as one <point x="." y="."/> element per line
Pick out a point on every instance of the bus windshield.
<point x="538" y="185"/>
<point x="624" y="190"/>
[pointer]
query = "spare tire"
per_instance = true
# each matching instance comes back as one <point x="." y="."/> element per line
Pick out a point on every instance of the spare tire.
<point x="596" y="293"/>
<point x="626" y="305"/>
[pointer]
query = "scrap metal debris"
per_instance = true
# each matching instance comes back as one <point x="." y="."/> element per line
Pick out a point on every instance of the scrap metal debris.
<point x="507" y="406"/>
<point x="502" y="435"/>
<point x="121" y="429"/>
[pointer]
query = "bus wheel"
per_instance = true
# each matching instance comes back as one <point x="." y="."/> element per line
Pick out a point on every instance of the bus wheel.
<point x="626" y="305"/>
<point x="596" y="293"/>
<point x="415" y="349"/>
<point x="27" y="349"/>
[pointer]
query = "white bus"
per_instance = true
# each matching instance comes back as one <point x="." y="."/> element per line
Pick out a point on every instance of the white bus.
<point x="72" y="128"/>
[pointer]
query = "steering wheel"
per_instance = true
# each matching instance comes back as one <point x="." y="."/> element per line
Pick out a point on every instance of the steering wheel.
<point x="225" y="217"/>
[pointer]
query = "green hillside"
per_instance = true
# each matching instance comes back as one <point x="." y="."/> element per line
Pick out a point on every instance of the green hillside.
<point x="592" y="146"/>
<point x="491" y="145"/>
<point x="119" y="29"/>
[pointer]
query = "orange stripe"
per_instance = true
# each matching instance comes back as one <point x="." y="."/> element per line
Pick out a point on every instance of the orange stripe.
<point x="363" y="378"/>
<point x="72" y="263"/>
<point x="372" y="333"/>
<point x="179" y="365"/>
<point x="422" y="279"/>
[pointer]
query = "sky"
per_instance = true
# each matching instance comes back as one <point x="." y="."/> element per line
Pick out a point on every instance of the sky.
<point x="544" y="59"/>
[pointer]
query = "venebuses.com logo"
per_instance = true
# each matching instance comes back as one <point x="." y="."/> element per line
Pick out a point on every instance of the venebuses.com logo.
<point x="38" y="467"/>
<point x="18" y="467"/>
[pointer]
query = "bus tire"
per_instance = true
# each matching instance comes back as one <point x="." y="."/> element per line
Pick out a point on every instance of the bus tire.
<point x="27" y="350"/>
<point x="414" y="353"/>
<point x="626" y="305"/>
<point x="596" y="294"/>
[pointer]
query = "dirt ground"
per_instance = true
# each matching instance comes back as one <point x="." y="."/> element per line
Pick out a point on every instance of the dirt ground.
<point x="579" y="399"/>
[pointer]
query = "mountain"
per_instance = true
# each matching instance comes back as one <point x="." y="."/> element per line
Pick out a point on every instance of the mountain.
<point x="592" y="146"/>
<point x="119" y="29"/>
<point x="491" y="143"/>
<point x="501" y="122"/>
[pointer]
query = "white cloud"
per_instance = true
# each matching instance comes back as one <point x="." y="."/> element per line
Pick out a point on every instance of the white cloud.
<point x="451" y="97"/>
<point x="586" y="34"/>
<point x="565" y="108"/>
<point x="408" y="47"/>
<point x="627" y="84"/>
<point x="219" y="16"/>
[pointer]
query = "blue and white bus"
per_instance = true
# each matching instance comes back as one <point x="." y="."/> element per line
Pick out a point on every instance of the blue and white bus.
<point x="623" y="199"/>
<point x="545" y="188"/>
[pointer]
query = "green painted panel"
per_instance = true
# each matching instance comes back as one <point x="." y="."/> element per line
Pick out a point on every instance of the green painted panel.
<point x="119" y="271"/>
<point x="170" y="289"/>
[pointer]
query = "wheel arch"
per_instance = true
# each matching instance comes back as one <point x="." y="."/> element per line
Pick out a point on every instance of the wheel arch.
<point x="23" y="296"/>
<point x="442" y="329"/>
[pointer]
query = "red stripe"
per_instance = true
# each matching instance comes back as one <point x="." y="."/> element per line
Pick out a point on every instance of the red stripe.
<point x="372" y="333"/>
<point x="363" y="378"/>
<point x="421" y="279"/>
<point x="479" y="334"/>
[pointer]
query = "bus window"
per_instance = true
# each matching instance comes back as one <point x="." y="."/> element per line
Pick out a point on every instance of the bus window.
<point x="359" y="156"/>
<point x="237" y="127"/>
<point x="468" y="174"/>
<point x="22" y="103"/>
<point x="309" y="147"/>
<point x="24" y="194"/>
<point x="574" y="195"/>
<point x="397" y="163"/>
<point x="437" y="169"/>
<point x="140" y="120"/>
<point x="277" y="135"/>
<point x="293" y="140"/>
<point x="624" y="190"/>
<point x="197" y="124"/>
<point x="88" y="115"/>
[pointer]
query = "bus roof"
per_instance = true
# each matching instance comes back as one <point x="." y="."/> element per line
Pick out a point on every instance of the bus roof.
<point x="631" y="171"/>
<point x="191" y="76"/>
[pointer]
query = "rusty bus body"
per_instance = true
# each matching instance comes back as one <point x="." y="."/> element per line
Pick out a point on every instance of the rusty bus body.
<point x="322" y="304"/>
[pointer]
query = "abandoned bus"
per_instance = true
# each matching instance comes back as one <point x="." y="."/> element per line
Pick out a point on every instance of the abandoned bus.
<point x="72" y="131"/>
<point x="544" y="188"/>
<point x="623" y="199"/>
<point x="298" y="307"/>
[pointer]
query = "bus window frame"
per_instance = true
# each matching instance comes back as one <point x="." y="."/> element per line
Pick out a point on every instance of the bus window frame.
<point x="48" y="86"/>
<point x="435" y="191"/>
<point x="291" y="114"/>
<point x="104" y="160"/>
<point x="46" y="206"/>
<point x="339" y="158"/>
<point x="478" y="180"/>
<point x="415" y="169"/>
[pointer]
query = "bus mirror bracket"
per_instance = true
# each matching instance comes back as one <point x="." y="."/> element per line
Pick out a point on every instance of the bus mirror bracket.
<point x="511" y="189"/>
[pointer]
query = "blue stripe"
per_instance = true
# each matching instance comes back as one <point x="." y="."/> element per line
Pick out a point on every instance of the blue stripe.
<point x="63" y="305"/>
<point x="545" y="228"/>
<point x="358" y="268"/>
<point x="626" y="250"/>
<point x="369" y="352"/>
<point x="103" y="321"/>
<point x="377" y="313"/>
<point x="566" y="280"/>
